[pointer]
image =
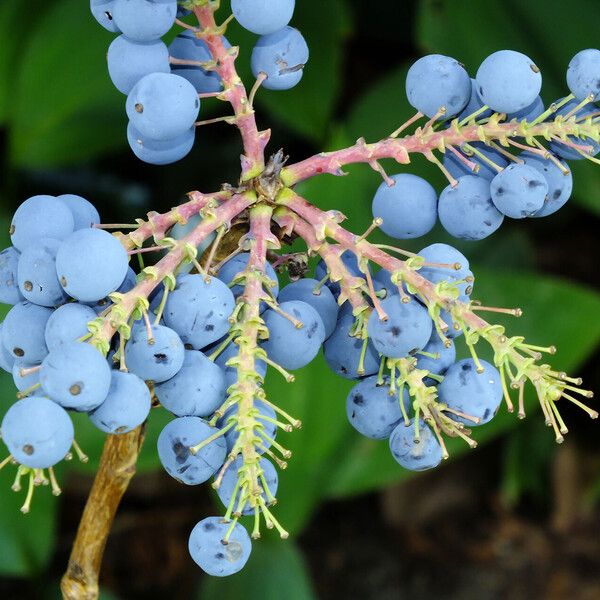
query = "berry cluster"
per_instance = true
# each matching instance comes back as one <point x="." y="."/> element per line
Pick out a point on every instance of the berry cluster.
<point x="196" y="331"/>
<point x="164" y="85"/>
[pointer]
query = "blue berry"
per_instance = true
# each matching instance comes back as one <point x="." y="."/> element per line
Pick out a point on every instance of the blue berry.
<point x="407" y="329"/>
<point x="265" y="429"/>
<point x="519" y="191"/>
<point x="186" y="46"/>
<point x="290" y="347"/>
<point x="529" y="113"/>
<point x="437" y="81"/>
<point x="37" y="432"/>
<point x="372" y="410"/>
<point x="236" y="265"/>
<point x="40" y="217"/>
<point x="67" y="324"/>
<point x="37" y="277"/>
<point x="343" y="351"/>
<point x="144" y="20"/>
<point x="446" y="355"/>
<point x="174" y="443"/>
<point x="230" y="372"/>
<point x="7" y="360"/>
<point x="282" y="56"/>
<point x="9" y="286"/>
<point x="583" y="74"/>
<point x="212" y="554"/>
<point x="160" y="153"/>
<point x="508" y="81"/>
<point x="197" y="390"/>
<point x="263" y="16"/>
<point x="323" y="301"/>
<point x="84" y="212"/>
<point x="129" y="61"/>
<point x="408" y="208"/>
<point x="458" y="169"/>
<point x="163" y="106"/>
<point x="23" y="331"/>
<point x="230" y="479"/>
<point x="24" y="382"/>
<point x="382" y="281"/>
<point x="157" y="359"/>
<point x="76" y="375"/>
<point x="443" y="254"/>
<point x="180" y="230"/>
<point x="102" y="11"/>
<point x="126" y="406"/>
<point x="415" y="455"/>
<point x="198" y="310"/>
<point x="474" y="104"/>
<point x="472" y="393"/>
<point x="560" y="184"/>
<point x="566" y="152"/>
<point x="466" y="211"/>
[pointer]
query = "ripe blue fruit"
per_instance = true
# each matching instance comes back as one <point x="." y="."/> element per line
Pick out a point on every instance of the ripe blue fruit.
<point x="23" y="331"/>
<point x="446" y="355"/>
<point x="508" y="81"/>
<point x="529" y="113"/>
<point x="102" y="10"/>
<point x="126" y="406"/>
<point x="289" y="346"/>
<point x="144" y="20"/>
<point x="323" y="301"/>
<point x="475" y="394"/>
<point x="24" y="382"/>
<point x="444" y="254"/>
<point x="583" y="74"/>
<point x="40" y="217"/>
<point x="560" y="183"/>
<point x="37" y="277"/>
<point x="37" y="432"/>
<point x="282" y="56"/>
<point x="76" y="376"/>
<point x="569" y="153"/>
<point x="197" y="390"/>
<point x="372" y="410"/>
<point x="230" y="479"/>
<point x="466" y="211"/>
<point x="198" y="310"/>
<point x="408" y="208"/>
<point x="163" y="106"/>
<point x="129" y="61"/>
<point x="236" y="265"/>
<point x="263" y="16"/>
<point x="7" y="360"/>
<point x="90" y="264"/>
<point x="407" y="329"/>
<point x="174" y="443"/>
<point x="67" y="324"/>
<point x="157" y="359"/>
<point x="519" y="191"/>
<point x="84" y="212"/>
<point x="415" y="455"/>
<point x="214" y="556"/>
<point x="9" y="286"/>
<point x="474" y="104"/>
<point x="437" y="81"/>
<point x="186" y="46"/>
<point x="343" y="351"/>
<point x="166" y="152"/>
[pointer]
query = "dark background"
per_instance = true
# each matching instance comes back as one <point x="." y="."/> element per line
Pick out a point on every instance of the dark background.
<point x="516" y="518"/>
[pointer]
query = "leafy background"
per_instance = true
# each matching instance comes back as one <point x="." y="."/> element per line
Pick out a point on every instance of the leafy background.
<point x="63" y="130"/>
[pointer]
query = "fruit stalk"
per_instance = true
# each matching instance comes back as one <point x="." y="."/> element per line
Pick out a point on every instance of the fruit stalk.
<point x="117" y="467"/>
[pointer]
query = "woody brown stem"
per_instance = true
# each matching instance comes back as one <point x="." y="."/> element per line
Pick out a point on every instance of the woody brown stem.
<point x="117" y="467"/>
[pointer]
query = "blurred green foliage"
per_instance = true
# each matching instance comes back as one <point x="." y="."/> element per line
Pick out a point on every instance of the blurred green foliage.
<point x="59" y="109"/>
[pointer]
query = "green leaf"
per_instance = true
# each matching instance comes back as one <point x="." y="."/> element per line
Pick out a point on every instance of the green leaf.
<point x="368" y="465"/>
<point x="275" y="570"/>
<point x="470" y="32"/>
<point x="64" y="106"/>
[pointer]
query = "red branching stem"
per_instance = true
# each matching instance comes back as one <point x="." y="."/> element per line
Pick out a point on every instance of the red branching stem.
<point x="223" y="215"/>
<point x="423" y="141"/>
<point x="234" y="92"/>
<point x="158" y="224"/>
